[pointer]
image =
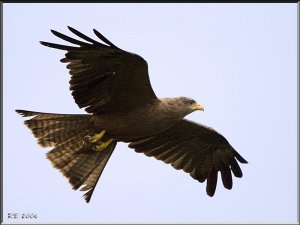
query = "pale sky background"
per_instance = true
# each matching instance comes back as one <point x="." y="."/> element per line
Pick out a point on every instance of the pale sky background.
<point x="238" y="60"/>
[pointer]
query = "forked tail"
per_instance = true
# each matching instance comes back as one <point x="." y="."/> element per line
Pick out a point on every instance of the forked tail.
<point x="73" y="154"/>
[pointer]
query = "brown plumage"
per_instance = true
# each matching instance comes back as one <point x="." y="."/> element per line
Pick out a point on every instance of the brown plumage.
<point x="114" y="87"/>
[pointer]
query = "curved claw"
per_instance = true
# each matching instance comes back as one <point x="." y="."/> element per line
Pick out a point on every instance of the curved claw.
<point x="103" y="145"/>
<point x="97" y="137"/>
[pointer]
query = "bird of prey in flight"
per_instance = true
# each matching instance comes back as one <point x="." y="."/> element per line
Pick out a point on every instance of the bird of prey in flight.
<point x="114" y="88"/>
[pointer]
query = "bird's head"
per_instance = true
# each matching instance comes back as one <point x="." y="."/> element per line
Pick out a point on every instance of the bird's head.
<point x="183" y="105"/>
<point x="190" y="104"/>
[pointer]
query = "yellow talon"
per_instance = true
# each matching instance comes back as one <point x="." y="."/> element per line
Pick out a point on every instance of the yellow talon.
<point x="97" y="137"/>
<point x="102" y="145"/>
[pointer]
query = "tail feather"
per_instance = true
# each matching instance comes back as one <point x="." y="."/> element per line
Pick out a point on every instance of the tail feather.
<point x="82" y="170"/>
<point x="53" y="129"/>
<point x="73" y="145"/>
<point x="91" y="182"/>
<point x="72" y="153"/>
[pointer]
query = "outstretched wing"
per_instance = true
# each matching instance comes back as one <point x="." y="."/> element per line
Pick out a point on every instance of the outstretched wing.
<point x="196" y="149"/>
<point x="104" y="78"/>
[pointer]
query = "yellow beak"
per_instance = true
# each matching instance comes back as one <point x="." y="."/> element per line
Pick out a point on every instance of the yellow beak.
<point x="197" y="106"/>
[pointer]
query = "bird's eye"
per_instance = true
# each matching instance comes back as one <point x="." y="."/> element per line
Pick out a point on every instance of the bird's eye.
<point x="190" y="102"/>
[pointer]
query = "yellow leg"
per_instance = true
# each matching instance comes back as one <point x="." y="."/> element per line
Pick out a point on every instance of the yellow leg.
<point x="102" y="145"/>
<point x="97" y="137"/>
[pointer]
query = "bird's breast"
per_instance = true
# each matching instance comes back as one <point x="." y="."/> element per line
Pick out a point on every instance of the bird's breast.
<point x="141" y="122"/>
